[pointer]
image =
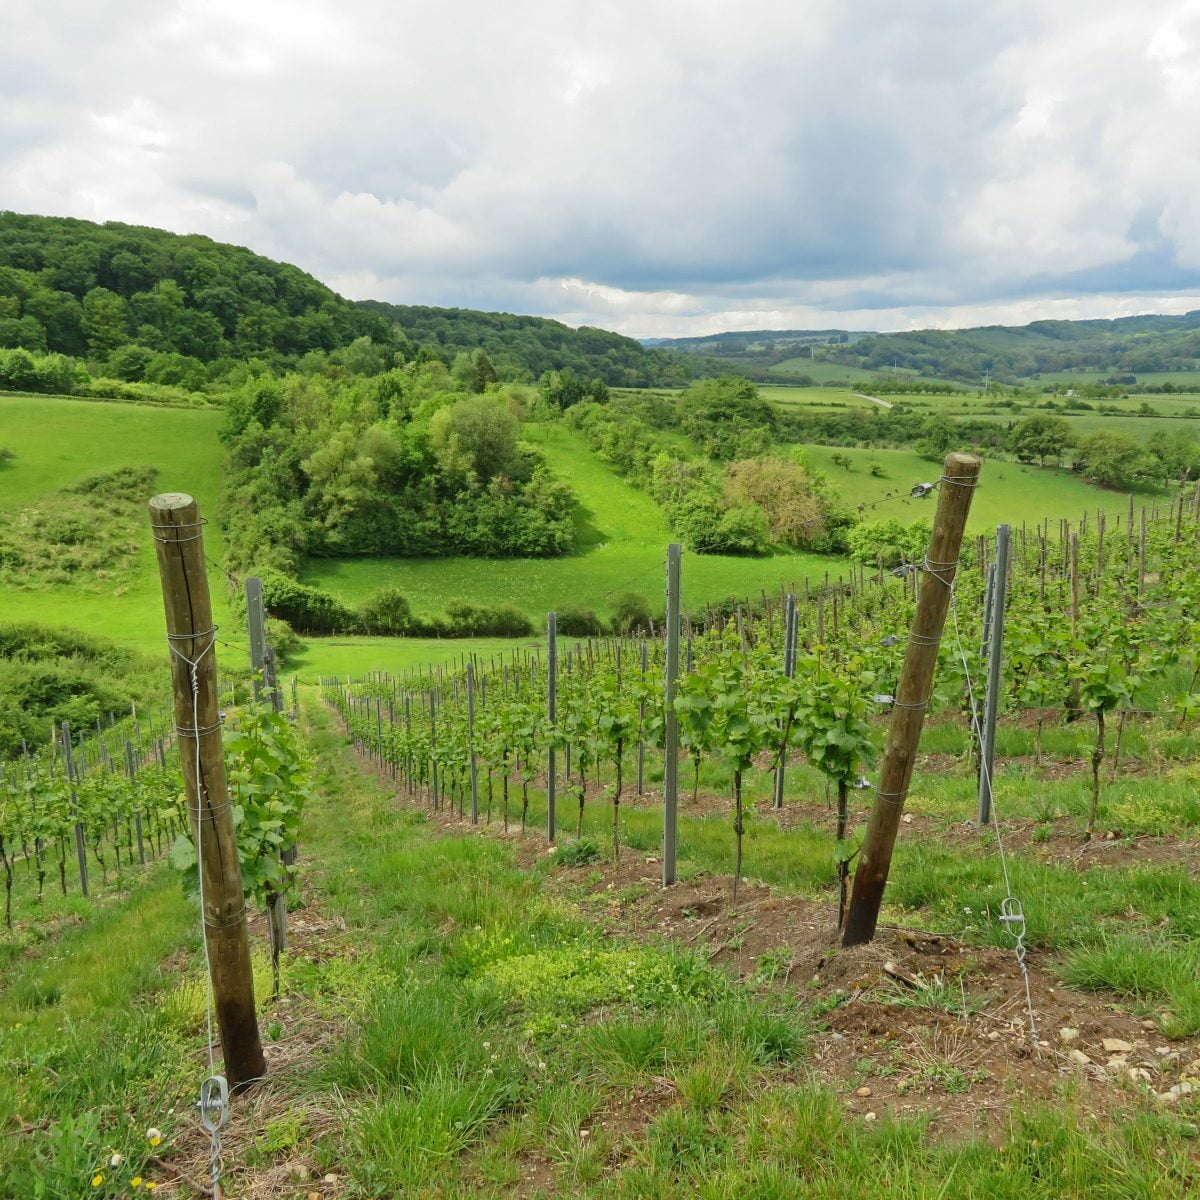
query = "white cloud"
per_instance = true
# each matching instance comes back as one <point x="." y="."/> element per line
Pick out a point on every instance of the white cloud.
<point x="659" y="167"/>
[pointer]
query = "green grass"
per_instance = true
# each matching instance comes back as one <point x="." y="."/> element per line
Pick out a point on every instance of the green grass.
<point x="470" y="1026"/>
<point x="816" y="399"/>
<point x="344" y="656"/>
<point x="1187" y="379"/>
<point x="59" y="441"/>
<point x="823" y="371"/>
<point x="621" y="539"/>
<point x="1008" y="491"/>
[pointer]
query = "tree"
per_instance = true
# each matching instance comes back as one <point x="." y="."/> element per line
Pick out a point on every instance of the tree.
<point x="105" y="321"/>
<point x="564" y="388"/>
<point x="1040" y="437"/>
<point x="786" y="494"/>
<point x="475" y="438"/>
<point x="473" y="371"/>
<point x="1111" y="459"/>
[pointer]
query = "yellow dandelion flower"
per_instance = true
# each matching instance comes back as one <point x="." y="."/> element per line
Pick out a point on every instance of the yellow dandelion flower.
<point x="136" y="1181"/>
<point x="150" y="1185"/>
<point x="97" y="1179"/>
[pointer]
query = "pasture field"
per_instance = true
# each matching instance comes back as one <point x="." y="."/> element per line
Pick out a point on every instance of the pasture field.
<point x="1008" y="491"/>
<point x="819" y="399"/>
<point x="59" y="441"/>
<point x="1186" y="379"/>
<point x="620" y="536"/>
<point x="823" y="371"/>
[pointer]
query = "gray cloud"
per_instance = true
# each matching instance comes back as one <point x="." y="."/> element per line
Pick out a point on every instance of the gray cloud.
<point x="661" y="167"/>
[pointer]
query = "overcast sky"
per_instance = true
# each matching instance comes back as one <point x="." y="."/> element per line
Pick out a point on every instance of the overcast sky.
<point x="659" y="167"/>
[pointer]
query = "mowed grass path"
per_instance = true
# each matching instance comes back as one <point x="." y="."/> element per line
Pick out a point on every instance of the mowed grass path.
<point x="59" y="441"/>
<point x="621" y="539"/>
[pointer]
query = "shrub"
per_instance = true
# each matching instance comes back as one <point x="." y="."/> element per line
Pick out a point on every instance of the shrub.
<point x="576" y="621"/>
<point x="387" y="612"/>
<point x="477" y="620"/>
<point x="283" y="639"/>
<point x="631" y="613"/>
<point x="306" y="609"/>
<point x="6" y="455"/>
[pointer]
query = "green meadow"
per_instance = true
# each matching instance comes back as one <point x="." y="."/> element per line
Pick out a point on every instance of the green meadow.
<point x="620" y="541"/>
<point x="1008" y="491"/>
<point x="59" y="442"/>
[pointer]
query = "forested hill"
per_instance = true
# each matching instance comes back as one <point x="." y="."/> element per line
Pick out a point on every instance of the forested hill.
<point x="522" y="347"/>
<point x="78" y="288"/>
<point x="144" y="304"/>
<point x="1125" y="346"/>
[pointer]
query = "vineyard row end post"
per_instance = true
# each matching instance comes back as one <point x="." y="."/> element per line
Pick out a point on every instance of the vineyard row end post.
<point x="960" y="475"/>
<point x="177" y="530"/>
<point x="671" y="721"/>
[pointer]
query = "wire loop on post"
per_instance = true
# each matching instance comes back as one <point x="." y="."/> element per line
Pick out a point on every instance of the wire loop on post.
<point x="177" y="541"/>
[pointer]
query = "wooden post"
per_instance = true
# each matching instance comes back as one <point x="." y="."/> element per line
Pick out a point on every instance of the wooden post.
<point x="177" y="530"/>
<point x="671" y="721"/>
<point x="552" y="722"/>
<point x="960" y="474"/>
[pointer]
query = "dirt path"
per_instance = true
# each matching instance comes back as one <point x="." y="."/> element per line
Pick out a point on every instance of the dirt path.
<point x="874" y="400"/>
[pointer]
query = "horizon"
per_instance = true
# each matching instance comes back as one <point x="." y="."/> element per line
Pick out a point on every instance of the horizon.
<point x="653" y="170"/>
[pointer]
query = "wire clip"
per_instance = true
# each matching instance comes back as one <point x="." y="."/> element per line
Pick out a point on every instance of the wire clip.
<point x="921" y="490"/>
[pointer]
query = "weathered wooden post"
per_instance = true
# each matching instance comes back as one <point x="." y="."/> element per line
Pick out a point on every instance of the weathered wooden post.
<point x="671" y="721"/>
<point x="177" y="530"/>
<point x="960" y="475"/>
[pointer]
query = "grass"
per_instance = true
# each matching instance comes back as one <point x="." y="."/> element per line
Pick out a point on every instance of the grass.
<point x="621" y="539"/>
<point x="482" y="1030"/>
<point x="1007" y="491"/>
<point x="816" y="399"/>
<point x="59" y="441"/>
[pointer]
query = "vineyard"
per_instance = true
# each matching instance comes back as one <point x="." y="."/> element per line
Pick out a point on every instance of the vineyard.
<point x="1098" y="640"/>
<point x="570" y="915"/>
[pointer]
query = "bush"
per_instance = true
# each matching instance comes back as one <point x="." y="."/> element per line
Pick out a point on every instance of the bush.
<point x="477" y="620"/>
<point x="387" y="613"/>
<point x="306" y="609"/>
<point x="282" y="637"/>
<point x="577" y="621"/>
<point x="6" y="456"/>
<point x="631" y="613"/>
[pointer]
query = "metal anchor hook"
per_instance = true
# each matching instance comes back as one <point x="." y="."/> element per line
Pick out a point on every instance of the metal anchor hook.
<point x="1012" y="914"/>
<point x="213" y="1104"/>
